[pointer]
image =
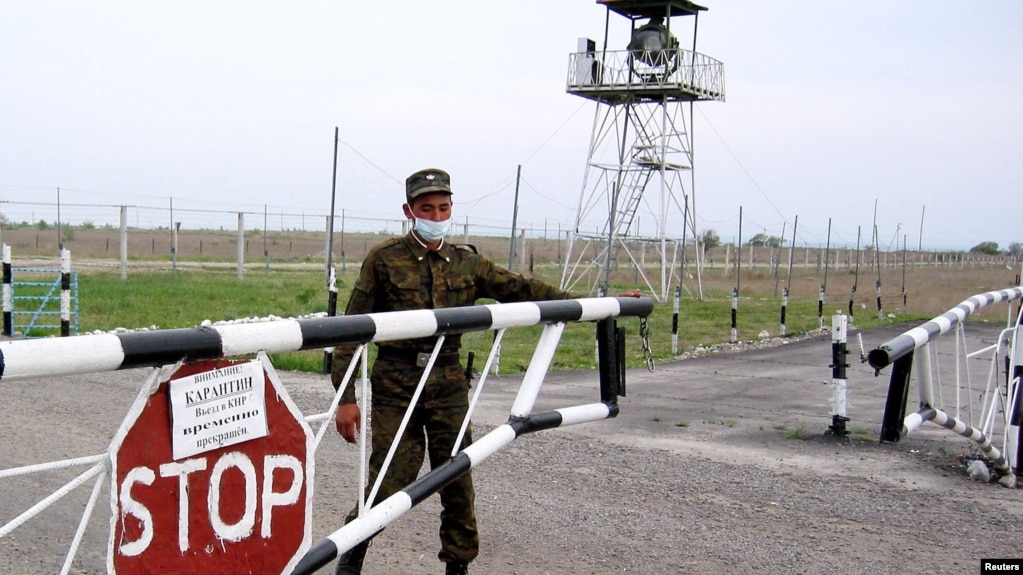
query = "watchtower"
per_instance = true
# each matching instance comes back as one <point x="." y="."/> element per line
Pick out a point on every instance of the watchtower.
<point x="640" y="160"/>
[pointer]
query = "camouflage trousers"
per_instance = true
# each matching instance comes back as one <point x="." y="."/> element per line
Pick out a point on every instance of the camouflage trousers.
<point x="433" y="427"/>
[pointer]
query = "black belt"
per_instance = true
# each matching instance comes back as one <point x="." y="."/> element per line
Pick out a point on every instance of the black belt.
<point x="418" y="359"/>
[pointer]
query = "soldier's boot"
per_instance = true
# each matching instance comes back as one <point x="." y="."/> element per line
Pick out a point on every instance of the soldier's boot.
<point x="350" y="562"/>
<point x="457" y="568"/>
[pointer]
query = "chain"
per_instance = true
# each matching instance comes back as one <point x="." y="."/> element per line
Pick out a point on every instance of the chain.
<point x="644" y="334"/>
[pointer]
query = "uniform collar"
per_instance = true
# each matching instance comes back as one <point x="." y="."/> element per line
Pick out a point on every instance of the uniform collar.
<point x="419" y="250"/>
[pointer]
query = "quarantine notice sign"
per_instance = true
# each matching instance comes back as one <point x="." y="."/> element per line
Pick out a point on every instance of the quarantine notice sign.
<point x="216" y="408"/>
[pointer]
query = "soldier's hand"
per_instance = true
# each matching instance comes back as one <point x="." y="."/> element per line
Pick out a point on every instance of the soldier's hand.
<point x="348" y="421"/>
<point x="631" y="293"/>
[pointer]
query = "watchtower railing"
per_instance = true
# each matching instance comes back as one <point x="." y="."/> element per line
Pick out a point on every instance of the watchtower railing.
<point x="674" y="74"/>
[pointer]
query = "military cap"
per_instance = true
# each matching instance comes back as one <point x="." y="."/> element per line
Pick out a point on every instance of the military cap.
<point x="425" y="182"/>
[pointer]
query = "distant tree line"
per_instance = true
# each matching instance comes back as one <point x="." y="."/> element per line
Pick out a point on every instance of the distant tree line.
<point x="710" y="240"/>
<point x="992" y="249"/>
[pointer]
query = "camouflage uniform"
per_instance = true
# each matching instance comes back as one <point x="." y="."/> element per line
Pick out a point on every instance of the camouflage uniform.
<point x="401" y="274"/>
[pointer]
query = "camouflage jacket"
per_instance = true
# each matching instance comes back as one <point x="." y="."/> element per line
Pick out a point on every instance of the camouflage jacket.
<point x="401" y="274"/>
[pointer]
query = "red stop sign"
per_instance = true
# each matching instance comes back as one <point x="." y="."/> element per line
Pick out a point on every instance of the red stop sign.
<point x="242" y="508"/>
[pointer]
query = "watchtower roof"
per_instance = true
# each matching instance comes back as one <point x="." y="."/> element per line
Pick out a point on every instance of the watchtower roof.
<point x="652" y="8"/>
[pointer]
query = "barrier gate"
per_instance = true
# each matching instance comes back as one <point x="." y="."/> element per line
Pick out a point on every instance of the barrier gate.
<point x="192" y="350"/>
<point x="989" y="412"/>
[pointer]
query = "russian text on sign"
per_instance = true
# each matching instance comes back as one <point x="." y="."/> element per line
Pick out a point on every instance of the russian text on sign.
<point x="217" y="408"/>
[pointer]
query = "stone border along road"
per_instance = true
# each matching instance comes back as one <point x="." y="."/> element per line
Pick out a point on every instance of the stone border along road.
<point x="716" y="464"/>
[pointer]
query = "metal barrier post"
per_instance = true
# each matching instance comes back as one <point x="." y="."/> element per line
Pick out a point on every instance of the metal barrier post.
<point x="65" y="292"/>
<point x="8" y="303"/>
<point x="839" y="351"/>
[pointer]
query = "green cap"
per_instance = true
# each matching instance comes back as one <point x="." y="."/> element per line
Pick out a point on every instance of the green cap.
<point x="425" y="182"/>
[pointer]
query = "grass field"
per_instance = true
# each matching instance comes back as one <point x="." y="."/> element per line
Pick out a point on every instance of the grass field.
<point x="207" y="287"/>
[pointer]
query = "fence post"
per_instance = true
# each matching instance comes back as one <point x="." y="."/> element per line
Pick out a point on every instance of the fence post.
<point x="839" y="353"/>
<point x="880" y="310"/>
<point x="123" y="234"/>
<point x="674" y="320"/>
<point x="784" y="304"/>
<point x="820" y="307"/>
<point x="241" y="245"/>
<point x="328" y="352"/>
<point x="735" y="307"/>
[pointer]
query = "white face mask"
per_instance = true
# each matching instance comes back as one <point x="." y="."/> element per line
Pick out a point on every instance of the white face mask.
<point x="432" y="231"/>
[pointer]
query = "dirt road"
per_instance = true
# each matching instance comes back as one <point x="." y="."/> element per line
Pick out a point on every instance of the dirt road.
<point x="716" y="464"/>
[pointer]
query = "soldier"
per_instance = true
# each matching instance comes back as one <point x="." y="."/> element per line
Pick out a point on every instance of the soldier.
<point x="423" y="271"/>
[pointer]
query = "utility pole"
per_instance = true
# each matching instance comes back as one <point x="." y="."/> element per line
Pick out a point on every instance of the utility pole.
<point x="515" y="215"/>
<point x="330" y="218"/>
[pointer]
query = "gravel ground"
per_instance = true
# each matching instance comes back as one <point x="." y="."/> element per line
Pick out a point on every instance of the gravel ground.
<point x="717" y="464"/>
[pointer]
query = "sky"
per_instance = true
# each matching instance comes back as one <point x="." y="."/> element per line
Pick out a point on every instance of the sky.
<point x="901" y="114"/>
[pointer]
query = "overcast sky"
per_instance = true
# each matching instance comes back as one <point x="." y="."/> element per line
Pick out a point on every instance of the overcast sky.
<point x="832" y="108"/>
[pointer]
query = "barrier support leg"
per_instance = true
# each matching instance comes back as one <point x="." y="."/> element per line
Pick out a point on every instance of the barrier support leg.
<point x="610" y="360"/>
<point x="898" y="396"/>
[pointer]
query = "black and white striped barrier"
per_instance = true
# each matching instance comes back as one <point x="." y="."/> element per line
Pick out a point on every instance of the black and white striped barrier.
<point x="379" y="516"/>
<point x="900" y="350"/>
<point x="915" y="420"/>
<point x="888" y="352"/>
<point x="22" y="359"/>
<point x="521" y="420"/>
<point x="25" y="359"/>
<point x="997" y="459"/>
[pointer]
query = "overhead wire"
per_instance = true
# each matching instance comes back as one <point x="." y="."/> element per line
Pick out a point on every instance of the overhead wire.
<point x="740" y="164"/>
<point x="753" y="180"/>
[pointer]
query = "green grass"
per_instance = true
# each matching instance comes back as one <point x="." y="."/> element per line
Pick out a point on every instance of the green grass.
<point x="166" y="300"/>
<point x="797" y="433"/>
<point x="855" y="430"/>
<point x="184" y="299"/>
<point x="169" y="299"/>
